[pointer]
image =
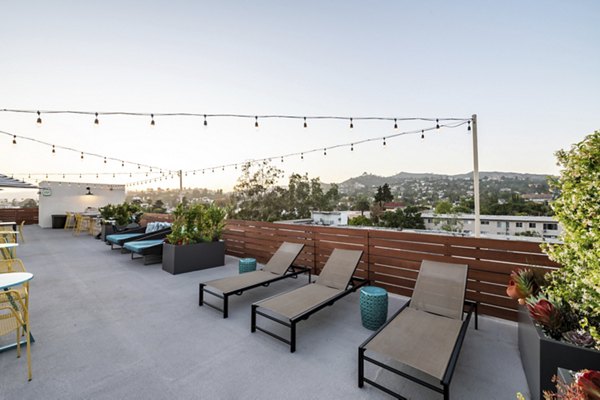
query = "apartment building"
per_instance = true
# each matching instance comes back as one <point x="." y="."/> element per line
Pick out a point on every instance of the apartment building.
<point x="508" y="225"/>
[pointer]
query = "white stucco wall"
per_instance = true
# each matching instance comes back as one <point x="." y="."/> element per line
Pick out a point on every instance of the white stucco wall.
<point x="65" y="196"/>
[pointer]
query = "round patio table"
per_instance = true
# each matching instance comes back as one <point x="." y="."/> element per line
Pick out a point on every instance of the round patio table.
<point x="11" y="279"/>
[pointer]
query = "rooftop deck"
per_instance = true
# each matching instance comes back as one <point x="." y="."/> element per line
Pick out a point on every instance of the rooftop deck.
<point x="108" y="327"/>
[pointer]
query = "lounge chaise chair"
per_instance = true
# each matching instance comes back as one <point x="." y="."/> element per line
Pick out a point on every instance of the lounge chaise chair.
<point x="279" y="267"/>
<point x="427" y="333"/>
<point x="335" y="281"/>
<point x="149" y="250"/>
<point x="119" y="239"/>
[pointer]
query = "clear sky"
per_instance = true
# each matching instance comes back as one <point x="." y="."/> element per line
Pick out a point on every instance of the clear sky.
<point x="529" y="70"/>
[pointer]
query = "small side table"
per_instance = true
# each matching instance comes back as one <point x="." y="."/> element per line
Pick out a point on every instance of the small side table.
<point x="373" y="307"/>
<point x="247" y="265"/>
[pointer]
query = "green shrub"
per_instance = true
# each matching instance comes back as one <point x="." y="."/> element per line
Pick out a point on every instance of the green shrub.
<point x="197" y="223"/>
<point x="577" y="208"/>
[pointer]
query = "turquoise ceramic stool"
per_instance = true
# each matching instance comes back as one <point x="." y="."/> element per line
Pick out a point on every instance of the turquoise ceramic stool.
<point x="373" y="307"/>
<point x="247" y="265"/>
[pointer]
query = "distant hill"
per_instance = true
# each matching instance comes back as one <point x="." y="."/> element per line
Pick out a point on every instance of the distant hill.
<point x="370" y="180"/>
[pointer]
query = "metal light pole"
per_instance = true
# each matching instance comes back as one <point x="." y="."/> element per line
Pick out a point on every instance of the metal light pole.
<point x="476" y="176"/>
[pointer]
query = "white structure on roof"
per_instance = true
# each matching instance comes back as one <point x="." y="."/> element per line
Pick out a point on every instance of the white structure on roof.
<point x="56" y="198"/>
<point x="508" y="225"/>
<point x="329" y="218"/>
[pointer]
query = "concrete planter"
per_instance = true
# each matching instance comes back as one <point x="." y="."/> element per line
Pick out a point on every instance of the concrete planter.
<point x="542" y="356"/>
<point x="192" y="257"/>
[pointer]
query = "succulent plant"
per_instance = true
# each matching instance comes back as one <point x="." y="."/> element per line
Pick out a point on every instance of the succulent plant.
<point x="521" y="284"/>
<point x="589" y="382"/>
<point x="579" y="338"/>
<point x="547" y="314"/>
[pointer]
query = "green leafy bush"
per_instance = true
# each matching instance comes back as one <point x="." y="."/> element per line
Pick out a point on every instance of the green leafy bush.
<point x="197" y="223"/>
<point x="123" y="214"/>
<point x="577" y="208"/>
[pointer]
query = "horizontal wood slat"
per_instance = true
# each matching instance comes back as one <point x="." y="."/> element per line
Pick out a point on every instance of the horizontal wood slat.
<point x="392" y="259"/>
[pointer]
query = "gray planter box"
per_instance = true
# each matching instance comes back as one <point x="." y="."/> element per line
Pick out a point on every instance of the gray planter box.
<point x="192" y="257"/>
<point x="107" y="229"/>
<point x="542" y="356"/>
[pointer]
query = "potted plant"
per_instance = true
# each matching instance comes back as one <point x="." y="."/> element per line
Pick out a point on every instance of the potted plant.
<point x="195" y="242"/>
<point x="117" y="217"/>
<point x="583" y="385"/>
<point x="559" y="323"/>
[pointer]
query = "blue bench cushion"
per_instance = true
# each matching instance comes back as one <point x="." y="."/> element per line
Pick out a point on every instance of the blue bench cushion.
<point x="120" y="236"/>
<point x="142" y="244"/>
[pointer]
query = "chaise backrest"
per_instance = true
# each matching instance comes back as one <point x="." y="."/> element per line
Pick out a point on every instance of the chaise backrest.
<point x="440" y="289"/>
<point x="339" y="268"/>
<point x="283" y="258"/>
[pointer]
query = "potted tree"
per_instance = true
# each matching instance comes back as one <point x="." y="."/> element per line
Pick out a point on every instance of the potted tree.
<point x="559" y="323"/>
<point x="195" y="242"/>
<point x="117" y="217"/>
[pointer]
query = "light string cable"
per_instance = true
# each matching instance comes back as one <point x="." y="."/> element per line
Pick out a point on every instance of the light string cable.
<point x="205" y="116"/>
<point x="84" y="153"/>
<point x="324" y="149"/>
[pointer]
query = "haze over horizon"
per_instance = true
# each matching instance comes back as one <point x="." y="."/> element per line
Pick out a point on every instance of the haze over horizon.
<point x="528" y="70"/>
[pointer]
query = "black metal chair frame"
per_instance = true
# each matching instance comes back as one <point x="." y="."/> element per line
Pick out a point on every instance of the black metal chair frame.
<point x="445" y="382"/>
<point x="150" y="255"/>
<point x="291" y="272"/>
<point x="291" y="323"/>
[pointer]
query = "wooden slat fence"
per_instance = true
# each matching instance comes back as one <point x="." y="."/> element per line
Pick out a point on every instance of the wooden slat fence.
<point x="392" y="259"/>
<point x="29" y="215"/>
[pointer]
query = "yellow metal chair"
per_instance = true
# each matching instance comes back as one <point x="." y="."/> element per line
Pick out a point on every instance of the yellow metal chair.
<point x="16" y="265"/>
<point x="70" y="221"/>
<point x="14" y="317"/>
<point x="8" y="253"/>
<point x="22" y="237"/>
<point x="82" y="224"/>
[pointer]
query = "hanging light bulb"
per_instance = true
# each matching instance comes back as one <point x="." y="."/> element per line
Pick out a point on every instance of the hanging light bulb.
<point x="202" y="172"/>
<point x="205" y="122"/>
<point x="281" y="158"/>
<point x="113" y="174"/>
<point x="422" y="134"/>
<point x="256" y="121"/>
<point x="130" y="174"/>
<point x="96" y="122"/>
<point x="53" y="150"/>
<point x="305" y="125"/>
<point x="96" y="176"/>
<point x="63" y="176"/>
<point x="469" y="125"/>
<point x="29" y="176"/>
<point x="395" y="124"/>
<point x="122" y="163"/>
<point x="302" y="156"/>
<point x="351" y="124"/>
<point x="104" y="160"/>
<point x="236" y="166"/>
<point x="152" y="120"/>
<point x="14" y="139"/>
<point x="194" y="172"/>
<point x="39" y="118"/>
<point x="351" y="146"/>
<point x="437" y="123"/>
<point x="82" y="155"/>
<point x="46" y="176"/>
<point x="325" y="151"/>
<point x="79" y="176"/>
<point x="384" y="142"/>
<point x="139" y="166"/>
<point x="222" y="168"/>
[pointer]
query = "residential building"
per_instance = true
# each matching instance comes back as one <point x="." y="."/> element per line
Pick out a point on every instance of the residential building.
<point x="508" y="225"/>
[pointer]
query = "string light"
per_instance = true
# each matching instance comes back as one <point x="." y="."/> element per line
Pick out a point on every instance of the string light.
<point x="351" y="124"/>
<point x="53" y="150"/>
<point x="305" y="124"/>
<point x="256" y="121"/>
<point x="437" y="123"/>
<point x="82" y="155"/>
<point x="205" y="122"/>
<point x="395" y="124"/>
<point x="39" y="118"/>
<point x="469" y="125"/>
<point x="281" y="158"/>
<point x="422" y="134"/>
<point x="152" y="120"/>
<point x="122" y="163"/>
<point x="384" y="141"/>
<point x="325" y="151"/>
<point x="14" y="139"/>
<point x="96" y="122"/>
<point x="352" y="147"/>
